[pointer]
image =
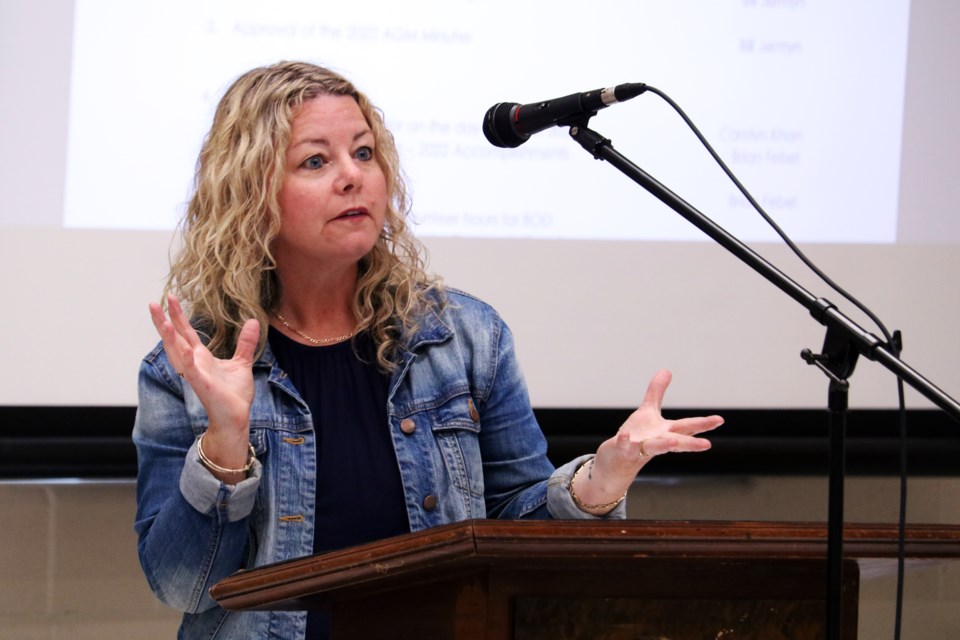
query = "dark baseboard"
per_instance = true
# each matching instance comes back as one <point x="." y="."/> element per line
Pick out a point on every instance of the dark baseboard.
<point x="94" y="442"/>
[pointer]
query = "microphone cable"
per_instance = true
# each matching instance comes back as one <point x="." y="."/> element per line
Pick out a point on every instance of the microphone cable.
<point x="894" y="343"/>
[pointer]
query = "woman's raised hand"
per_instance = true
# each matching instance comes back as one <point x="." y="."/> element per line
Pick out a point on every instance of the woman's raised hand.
<point x="645" y="434"/>
<point x="224" y="387"/>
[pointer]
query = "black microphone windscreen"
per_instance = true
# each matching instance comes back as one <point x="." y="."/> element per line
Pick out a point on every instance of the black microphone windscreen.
<point x="498" y="126"/>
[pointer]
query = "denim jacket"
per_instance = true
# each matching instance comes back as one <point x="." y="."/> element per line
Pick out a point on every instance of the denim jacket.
<point x="467" y="445"/>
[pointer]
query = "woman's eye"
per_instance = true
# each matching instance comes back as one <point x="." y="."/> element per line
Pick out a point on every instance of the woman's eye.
<point x="313" y="162"/>
<point x="364" y="153"/>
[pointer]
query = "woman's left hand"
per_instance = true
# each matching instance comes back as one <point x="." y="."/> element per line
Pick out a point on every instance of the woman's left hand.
<point x="645" y="435"/>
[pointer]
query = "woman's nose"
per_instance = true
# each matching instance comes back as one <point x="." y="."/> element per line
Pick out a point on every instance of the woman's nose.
<point x="349" y="177"/>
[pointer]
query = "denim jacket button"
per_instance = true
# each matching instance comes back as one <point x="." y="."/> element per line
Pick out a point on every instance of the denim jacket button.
<point x="474" y="414"/>
<point x="408" y="426"/>
<point x="430" y="503"/>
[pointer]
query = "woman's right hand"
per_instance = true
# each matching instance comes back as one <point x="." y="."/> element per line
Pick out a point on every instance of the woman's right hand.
<point x="224" y="387"/>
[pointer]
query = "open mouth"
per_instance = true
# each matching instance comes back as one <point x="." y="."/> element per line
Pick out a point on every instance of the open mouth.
<point x="352" y="213"/>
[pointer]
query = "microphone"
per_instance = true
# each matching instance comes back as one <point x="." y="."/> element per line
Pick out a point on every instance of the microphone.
<point x="508" y="124"/>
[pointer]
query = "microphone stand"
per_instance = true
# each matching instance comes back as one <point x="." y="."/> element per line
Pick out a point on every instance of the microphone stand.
<point x="844" y="342"/>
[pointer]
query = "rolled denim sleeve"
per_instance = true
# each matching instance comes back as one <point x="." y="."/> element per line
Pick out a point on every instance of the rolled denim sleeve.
<point x="207" y="494"/>
<point x="560" y="503"/>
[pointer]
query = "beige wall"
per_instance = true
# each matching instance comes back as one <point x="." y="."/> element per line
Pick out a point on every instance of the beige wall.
<point x="68" y="565"/>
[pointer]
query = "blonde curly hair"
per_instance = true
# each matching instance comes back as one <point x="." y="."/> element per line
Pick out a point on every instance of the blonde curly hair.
<point x="225" y="271"/>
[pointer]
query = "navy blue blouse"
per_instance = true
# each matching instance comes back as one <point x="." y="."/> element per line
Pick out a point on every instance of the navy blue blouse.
<point x="359" y="491"/>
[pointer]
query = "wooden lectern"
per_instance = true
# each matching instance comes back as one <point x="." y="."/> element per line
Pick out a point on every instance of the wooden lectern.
<point x="488" y="579"/>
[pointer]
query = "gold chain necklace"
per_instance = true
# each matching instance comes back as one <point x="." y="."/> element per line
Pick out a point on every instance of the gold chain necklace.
<point x="311" y="339"/>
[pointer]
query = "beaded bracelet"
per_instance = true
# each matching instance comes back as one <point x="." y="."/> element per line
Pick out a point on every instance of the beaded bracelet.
<point x="212" y="466"/>
<point x="591" y="507"/>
